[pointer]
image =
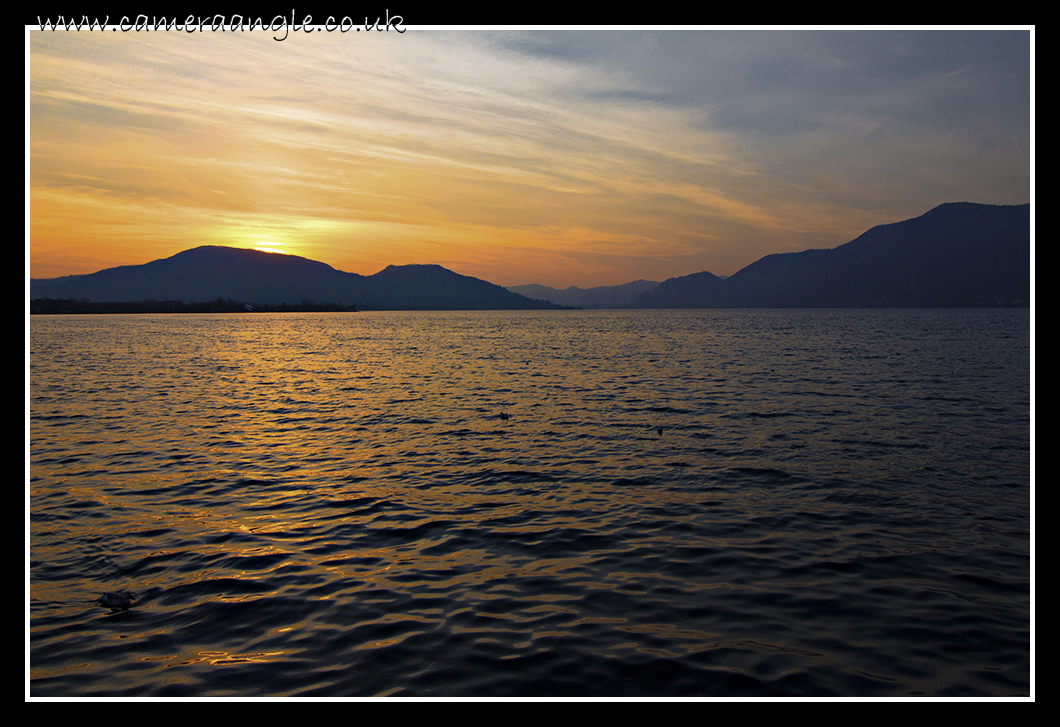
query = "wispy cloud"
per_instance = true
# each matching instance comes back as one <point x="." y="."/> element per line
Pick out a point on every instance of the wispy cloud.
<point x="563" y="157"/>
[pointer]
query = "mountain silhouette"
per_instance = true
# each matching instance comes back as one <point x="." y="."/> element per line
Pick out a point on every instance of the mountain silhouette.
<point x="606" y="296"/>
<point x="254" y="277"/>
<point x="958" y="254"/>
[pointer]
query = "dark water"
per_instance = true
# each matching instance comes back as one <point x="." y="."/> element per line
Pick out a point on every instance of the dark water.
<point x="838" y="504"/>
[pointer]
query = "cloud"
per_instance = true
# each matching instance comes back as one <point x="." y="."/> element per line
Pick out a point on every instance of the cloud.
<point x="711" y="148"/>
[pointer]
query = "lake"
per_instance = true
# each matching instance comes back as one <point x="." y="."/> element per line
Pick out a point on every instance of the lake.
<point x="736" y="503"/>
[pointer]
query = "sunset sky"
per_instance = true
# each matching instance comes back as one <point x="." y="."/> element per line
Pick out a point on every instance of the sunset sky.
<point x="563" y="157"/>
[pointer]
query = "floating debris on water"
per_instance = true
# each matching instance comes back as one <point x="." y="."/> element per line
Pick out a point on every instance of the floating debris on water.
<point x="117" y="599"/>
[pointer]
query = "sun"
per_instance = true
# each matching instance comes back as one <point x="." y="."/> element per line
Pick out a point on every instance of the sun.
<point x="267" y="247"/>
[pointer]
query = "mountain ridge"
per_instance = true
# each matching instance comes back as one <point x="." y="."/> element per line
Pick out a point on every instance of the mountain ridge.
<point x="604" y="296"/>
<point x="959" y="254"/>
<point x="209" y="272"/>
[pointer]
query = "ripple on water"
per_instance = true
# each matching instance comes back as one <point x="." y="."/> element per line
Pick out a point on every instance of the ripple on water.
<point x="324" y="505"/>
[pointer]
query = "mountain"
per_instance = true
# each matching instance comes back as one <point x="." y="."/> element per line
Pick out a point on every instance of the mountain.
<point x="432" y="287"/>
<point x="607" y="296"/>
<point x="699" y="290"/>
<point x="209" y="272"/>
<point x="958" y="254"/>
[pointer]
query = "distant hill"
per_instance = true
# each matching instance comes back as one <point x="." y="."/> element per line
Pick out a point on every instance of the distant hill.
<point x="608" y="296"/>
<point x="209" y="273"/>
<point x="958" y="254"/>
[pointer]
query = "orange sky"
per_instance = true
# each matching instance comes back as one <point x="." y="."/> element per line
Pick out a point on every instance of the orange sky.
<point x="557" y="157"/>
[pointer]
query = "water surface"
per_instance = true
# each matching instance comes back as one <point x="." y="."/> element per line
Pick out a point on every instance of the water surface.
<point x="572" y="503"/>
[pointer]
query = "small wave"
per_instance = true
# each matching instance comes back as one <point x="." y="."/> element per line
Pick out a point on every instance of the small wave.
<point x="632" y="482"/>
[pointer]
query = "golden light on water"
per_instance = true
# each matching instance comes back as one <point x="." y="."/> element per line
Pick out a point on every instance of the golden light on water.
<point x="332" y="504"/>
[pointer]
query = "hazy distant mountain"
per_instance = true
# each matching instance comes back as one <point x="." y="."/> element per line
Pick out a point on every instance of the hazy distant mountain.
<point x="689" y="291"/>
<point x="207" y="273"/>
<point x="958" y="254"/>
<point x="432" y="287"/>
<point x="607" y="296"/>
